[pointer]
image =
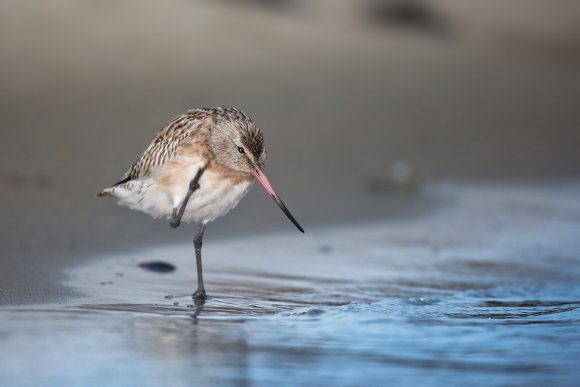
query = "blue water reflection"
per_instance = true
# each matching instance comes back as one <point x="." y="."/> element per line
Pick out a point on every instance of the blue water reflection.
<point x="524" y="334"/>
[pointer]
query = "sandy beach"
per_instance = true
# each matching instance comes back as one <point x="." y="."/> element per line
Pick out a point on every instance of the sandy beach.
<point x="435" y="171"/>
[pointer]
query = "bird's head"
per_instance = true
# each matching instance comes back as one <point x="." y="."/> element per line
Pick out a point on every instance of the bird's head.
<point x="238" y="144"/>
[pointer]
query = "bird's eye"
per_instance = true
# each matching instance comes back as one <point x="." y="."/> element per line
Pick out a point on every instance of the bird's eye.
<point x="241" y="150"/>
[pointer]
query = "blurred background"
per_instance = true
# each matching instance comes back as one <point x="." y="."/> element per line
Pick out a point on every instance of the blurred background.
<point x="363" y="103"/>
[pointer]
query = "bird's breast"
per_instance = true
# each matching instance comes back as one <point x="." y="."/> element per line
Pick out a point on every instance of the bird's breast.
<point x="215" y="196"/>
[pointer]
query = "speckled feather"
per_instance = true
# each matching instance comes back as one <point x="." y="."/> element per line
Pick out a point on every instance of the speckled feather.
<point x="165" y="143"/>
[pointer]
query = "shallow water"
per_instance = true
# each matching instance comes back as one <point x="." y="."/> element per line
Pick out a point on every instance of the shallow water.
<point x="528" y="334"/>
<point x="484" y="292"/>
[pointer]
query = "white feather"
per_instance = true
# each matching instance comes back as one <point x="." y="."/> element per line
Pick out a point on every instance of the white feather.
<point x="214" y="197"/>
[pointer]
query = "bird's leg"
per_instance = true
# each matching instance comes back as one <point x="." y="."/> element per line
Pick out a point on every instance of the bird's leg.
<point x="199" y="295"/>
<point x="193" y="185"/>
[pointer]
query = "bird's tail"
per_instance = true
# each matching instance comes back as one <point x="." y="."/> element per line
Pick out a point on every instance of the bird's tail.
<point x="119" y="191"/>
<point x="110" y="192"/>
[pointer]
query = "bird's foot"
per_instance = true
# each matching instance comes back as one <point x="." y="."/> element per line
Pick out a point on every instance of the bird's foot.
<point x="199" y="296"/>
<point x="175" y="219"/>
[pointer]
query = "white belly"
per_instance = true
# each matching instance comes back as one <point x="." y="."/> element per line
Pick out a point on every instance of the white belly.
<point x="214" y="198"/>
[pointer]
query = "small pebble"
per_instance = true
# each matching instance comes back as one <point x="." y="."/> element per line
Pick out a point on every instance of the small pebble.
<point x="157" y="266"/>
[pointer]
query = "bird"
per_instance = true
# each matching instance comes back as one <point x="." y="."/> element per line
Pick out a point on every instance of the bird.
<point x="196" y="169"/>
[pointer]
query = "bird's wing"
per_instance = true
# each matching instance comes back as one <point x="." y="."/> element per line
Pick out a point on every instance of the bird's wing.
<point x="165" y="144"/>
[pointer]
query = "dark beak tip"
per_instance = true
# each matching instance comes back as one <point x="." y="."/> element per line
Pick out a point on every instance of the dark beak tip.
<point x="294" y="221"/>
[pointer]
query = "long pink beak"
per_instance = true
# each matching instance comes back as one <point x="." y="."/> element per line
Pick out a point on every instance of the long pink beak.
<point x="259" y="175"/>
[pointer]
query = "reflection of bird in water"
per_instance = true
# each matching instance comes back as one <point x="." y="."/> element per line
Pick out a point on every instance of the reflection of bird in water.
<point x="197" y="168"/>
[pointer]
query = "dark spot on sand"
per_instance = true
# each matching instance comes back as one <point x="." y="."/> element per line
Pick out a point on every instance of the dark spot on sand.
<point x="16" y="180"/>
<point x="325" y="249"/>
<point x="268" y="4"/>
<point x="157" y="266"/>
<point x="44" y="181"/>
<point x="406" y="14"/>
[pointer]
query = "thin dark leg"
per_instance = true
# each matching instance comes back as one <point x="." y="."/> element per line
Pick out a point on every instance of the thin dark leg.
<point x="199" y="294"/>
<point x="193" y="185"/>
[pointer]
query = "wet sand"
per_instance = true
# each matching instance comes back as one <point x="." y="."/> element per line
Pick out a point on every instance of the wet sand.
<point x="334" y="138"/>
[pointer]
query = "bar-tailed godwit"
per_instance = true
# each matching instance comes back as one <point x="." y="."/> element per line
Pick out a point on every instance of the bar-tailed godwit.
<point x="197" y="168"/>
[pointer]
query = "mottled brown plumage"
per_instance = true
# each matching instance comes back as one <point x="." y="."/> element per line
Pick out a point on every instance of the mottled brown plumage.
<point x="182" y="131"/>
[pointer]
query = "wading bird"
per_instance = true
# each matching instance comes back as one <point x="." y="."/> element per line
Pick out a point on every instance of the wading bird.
<point x="197" y="168"/>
